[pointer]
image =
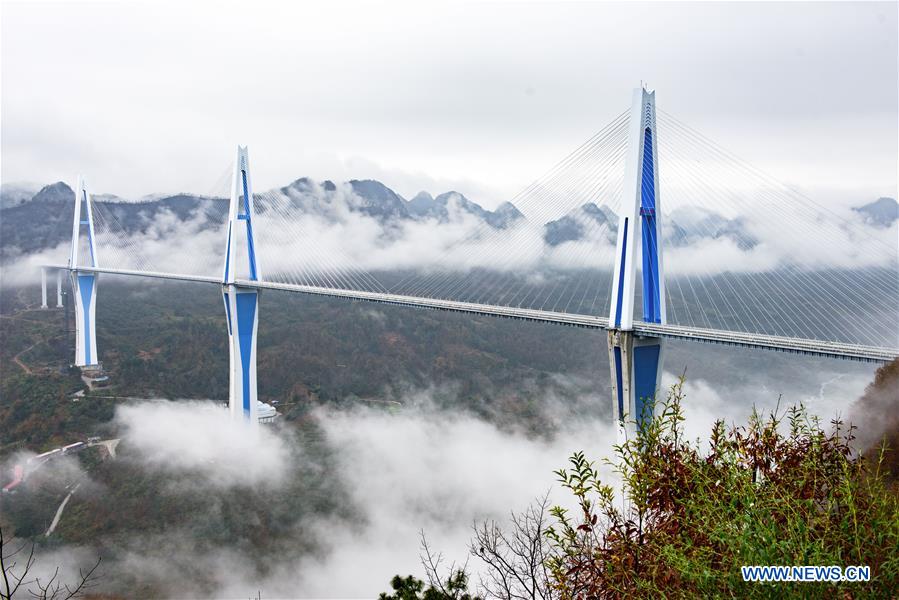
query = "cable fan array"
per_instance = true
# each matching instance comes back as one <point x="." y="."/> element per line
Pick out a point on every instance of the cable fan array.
<point x="521" y="264"/>
<point x="741" y="251"/>
<point x="747" y="253"/>
<point x="182" y="234"/>
<point x="298" y="245"/>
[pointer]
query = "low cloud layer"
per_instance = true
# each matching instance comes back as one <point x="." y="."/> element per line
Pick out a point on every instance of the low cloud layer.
<point x="405" y="470"/>
<point x="432" y="472"/>
<point x="390" y="471"/>
<point x="199" y="439"/>
<point x="318" y="235"/>
<point x="706" y="401"/>
<point x="401" y="471"/>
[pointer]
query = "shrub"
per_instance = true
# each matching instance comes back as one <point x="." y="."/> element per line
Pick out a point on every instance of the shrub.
<point x="778" y="491"/>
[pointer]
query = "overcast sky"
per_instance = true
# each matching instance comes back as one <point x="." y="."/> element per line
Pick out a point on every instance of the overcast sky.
<point x="479" y="97"/>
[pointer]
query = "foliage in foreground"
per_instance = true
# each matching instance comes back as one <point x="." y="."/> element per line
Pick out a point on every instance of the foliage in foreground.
<point x="779" y="490"/>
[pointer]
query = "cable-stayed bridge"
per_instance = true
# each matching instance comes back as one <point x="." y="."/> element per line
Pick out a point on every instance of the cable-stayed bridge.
<point x="717" y="336"/>
<point x="647" y="213"/>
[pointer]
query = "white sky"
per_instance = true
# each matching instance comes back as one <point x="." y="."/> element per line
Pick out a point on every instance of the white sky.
<point x="479" y="97"/>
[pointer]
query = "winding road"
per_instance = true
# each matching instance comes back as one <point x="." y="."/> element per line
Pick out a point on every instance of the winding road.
<point x="59" y="510"/>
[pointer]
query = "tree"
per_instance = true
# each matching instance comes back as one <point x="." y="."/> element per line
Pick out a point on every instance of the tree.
<point x="517" y="561"/>
<point x="455" y="587"/>
<point x="18" y="577"/>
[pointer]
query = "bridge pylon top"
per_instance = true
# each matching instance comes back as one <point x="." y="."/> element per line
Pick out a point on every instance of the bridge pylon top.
<point x="240" y="218"/>
<point x="83" y="224"/>
<point x="640" y="220"/>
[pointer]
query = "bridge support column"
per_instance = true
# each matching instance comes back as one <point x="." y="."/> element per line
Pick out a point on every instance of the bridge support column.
<point x="636" y="371"/>
<point x="241" y="307"/>
<point x="58" y="288"/>
<point x="43" y="287"/>
<point x="636" y="361"/>
<point x="84" y="287"/>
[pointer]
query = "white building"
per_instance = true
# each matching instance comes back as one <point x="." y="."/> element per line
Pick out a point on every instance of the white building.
<point x="266" y="412"/>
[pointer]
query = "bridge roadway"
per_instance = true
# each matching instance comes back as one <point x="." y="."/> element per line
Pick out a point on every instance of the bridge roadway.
<point x="841" y="350"/>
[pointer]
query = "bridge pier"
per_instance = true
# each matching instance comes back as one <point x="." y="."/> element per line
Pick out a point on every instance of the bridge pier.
<point x="636" y="361"/>
<point x="43" y="287"/>
<point x="58" y="288"/>
<point x="241" y="307"/>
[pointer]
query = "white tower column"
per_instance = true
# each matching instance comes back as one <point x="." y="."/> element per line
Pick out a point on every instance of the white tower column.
<point x="58" y="288"/>
<point x="241" y="303"/>
<point x="636" y="361"/>
<point x="84" y="283"/>
<point x="43" y="287"/>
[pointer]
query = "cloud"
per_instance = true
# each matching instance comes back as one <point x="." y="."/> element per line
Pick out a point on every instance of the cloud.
<point x="823" y="392"/>
<point x="755" y="271"/>
<point x="200" y="439"/>
<point x="494" y="113"/>
<point x="56" y="473"/>
<point x="25" y="269"/>
<point x="71" y="561"/>
<point x="320" y="237"/>
<point x="875" y="412"/>
<point x="435" y="471"/>
<point x="730" y="270"/>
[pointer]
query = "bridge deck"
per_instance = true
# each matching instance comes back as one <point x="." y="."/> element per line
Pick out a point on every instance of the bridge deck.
<point x="716" y="336"/>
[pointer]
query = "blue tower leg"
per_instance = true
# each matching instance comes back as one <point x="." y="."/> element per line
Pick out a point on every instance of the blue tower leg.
<point x="241" y="308"/>
<point x="84" y="286"/>
<point x="647" y="374"/>
<point x="636" y="373"/>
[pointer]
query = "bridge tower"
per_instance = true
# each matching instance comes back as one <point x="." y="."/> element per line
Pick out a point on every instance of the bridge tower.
<point x="241" y="303"/>
<point x="84" y="284"/>
<point x="636" y="360"/>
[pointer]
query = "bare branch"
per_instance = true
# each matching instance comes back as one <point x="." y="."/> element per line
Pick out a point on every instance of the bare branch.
<point x="516" y="561"/>
<point x="52" y="589"/>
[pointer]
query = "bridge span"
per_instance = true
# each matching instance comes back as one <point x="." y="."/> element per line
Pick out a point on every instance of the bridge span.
<point x="859" y="352"/>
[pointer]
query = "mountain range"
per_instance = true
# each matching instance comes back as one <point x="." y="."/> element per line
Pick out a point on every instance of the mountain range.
<point x="883" y="212"/>
<point x="31" y="221"/>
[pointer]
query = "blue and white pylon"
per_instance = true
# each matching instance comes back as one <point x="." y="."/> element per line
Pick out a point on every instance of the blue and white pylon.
<point x="84" y="284"/>
<point x="636" y="360"/>
<point x="241" y="303"/>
